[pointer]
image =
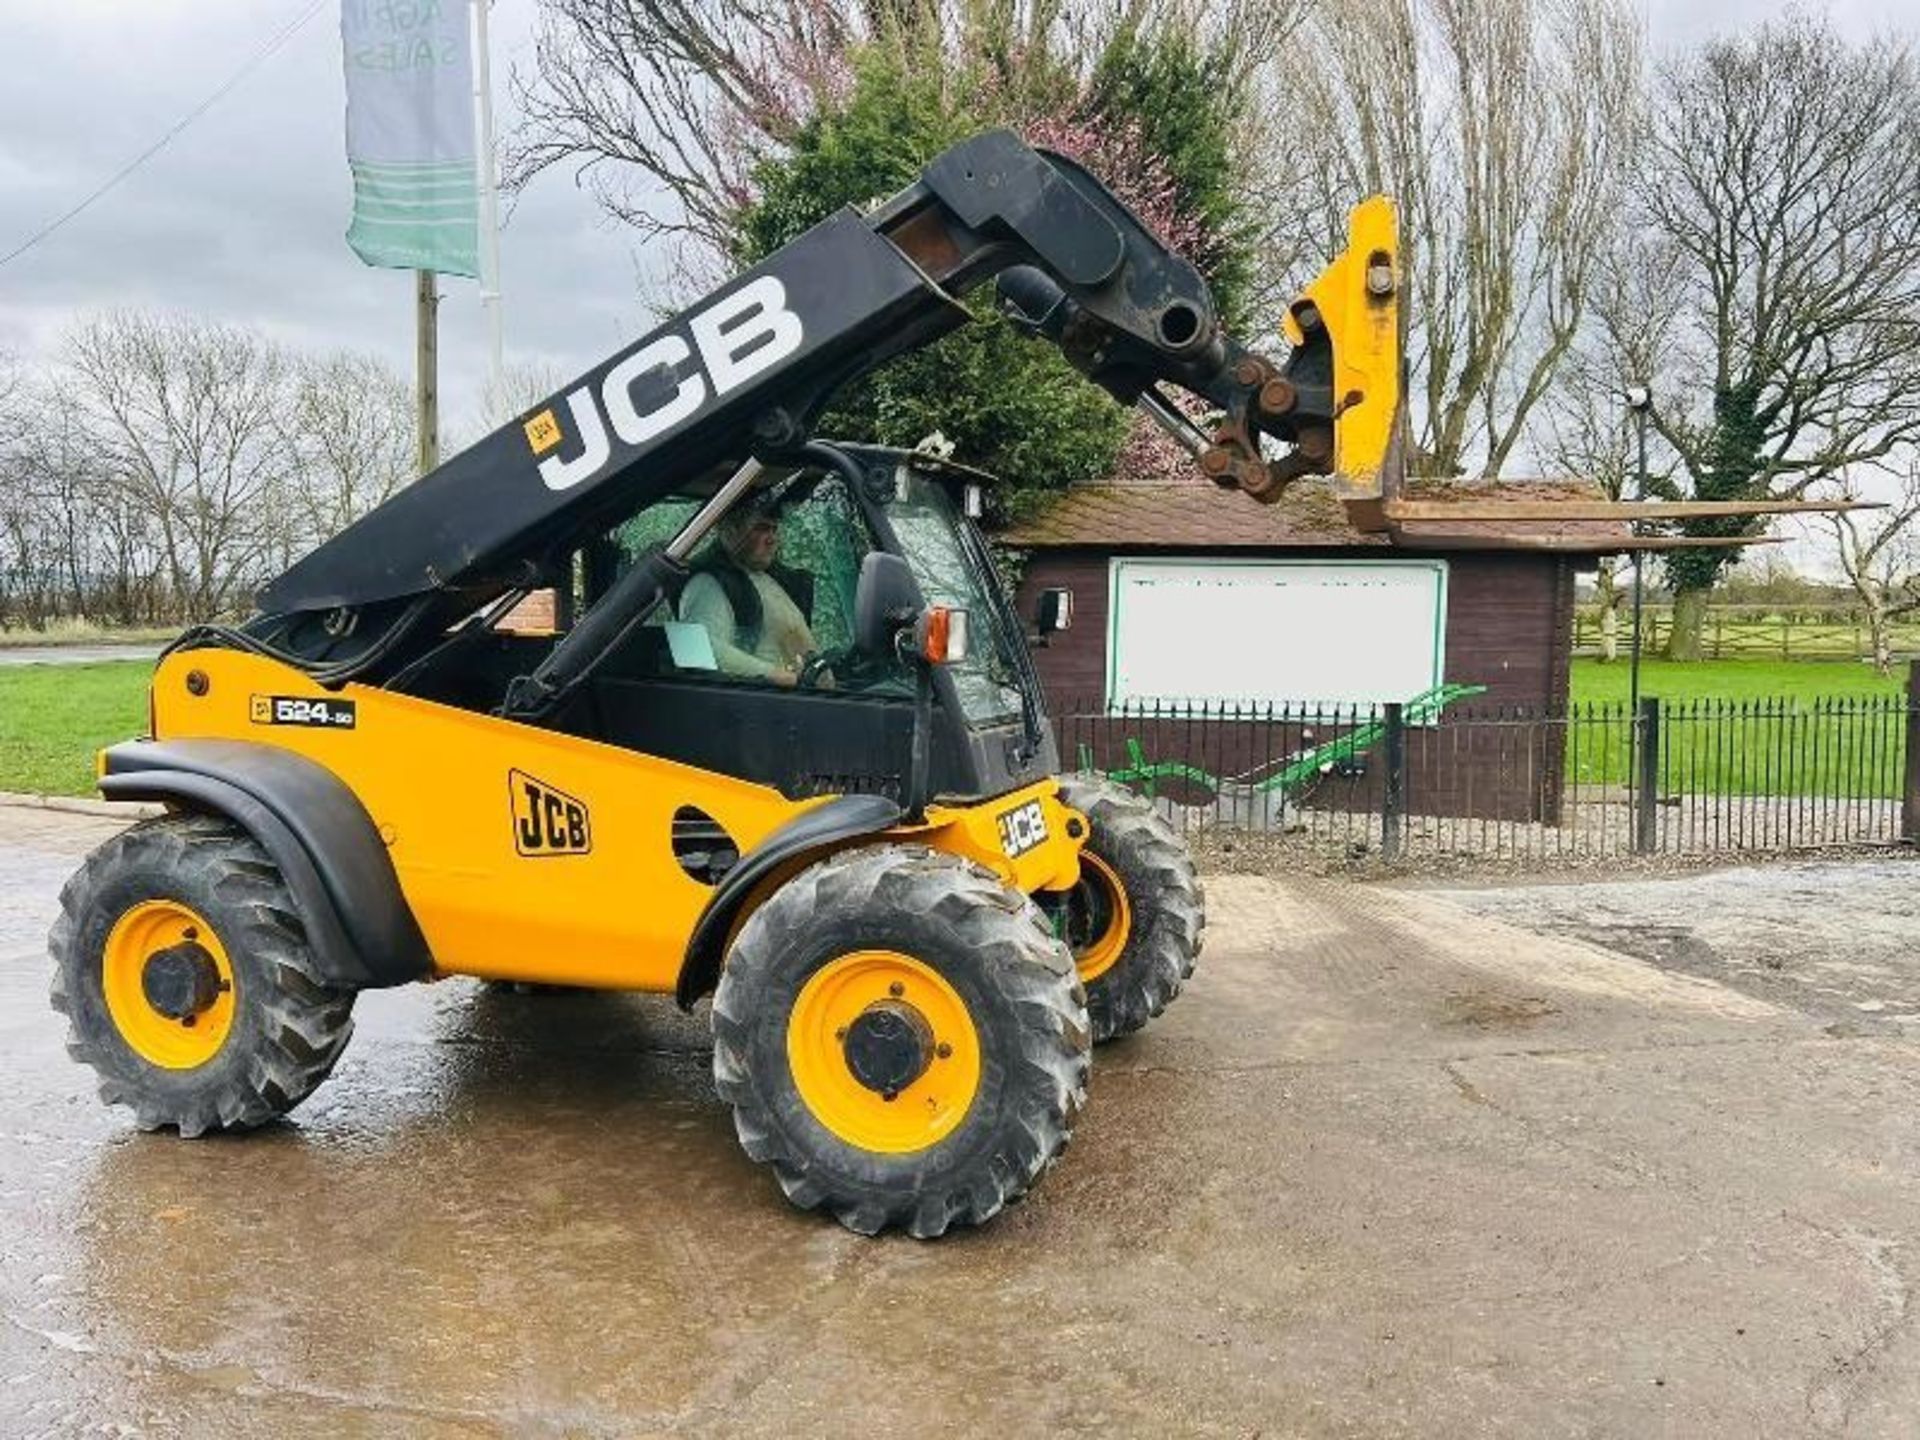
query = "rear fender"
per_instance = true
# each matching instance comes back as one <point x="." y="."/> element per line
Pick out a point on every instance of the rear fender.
<point x="362" y="931"/>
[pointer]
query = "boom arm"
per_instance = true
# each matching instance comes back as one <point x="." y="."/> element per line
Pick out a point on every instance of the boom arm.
<point x="748" y="368"/>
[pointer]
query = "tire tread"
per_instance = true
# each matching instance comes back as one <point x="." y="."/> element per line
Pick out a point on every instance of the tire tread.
<point x="1170" y="912"/>
<point x="1034" y="973"/>
<point x="304" y="1024"/>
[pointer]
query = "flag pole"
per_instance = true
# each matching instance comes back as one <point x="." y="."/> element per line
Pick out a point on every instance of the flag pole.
<point x="497" y="401"/>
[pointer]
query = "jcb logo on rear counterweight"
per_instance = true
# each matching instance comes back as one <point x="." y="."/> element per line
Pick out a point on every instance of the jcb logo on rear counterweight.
<point x="547" y="821"/>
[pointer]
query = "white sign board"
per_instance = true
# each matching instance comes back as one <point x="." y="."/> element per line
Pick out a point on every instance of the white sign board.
<point x="1332" y="632"/>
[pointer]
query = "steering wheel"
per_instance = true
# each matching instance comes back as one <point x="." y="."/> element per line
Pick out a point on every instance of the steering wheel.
<point x="820" y="663"/>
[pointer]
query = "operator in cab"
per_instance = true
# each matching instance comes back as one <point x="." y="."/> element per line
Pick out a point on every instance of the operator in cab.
<point x="754" y="609"/>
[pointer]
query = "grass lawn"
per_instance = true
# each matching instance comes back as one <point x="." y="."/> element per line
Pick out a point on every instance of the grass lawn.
<point x="53" y="718"/>
<point x="1749" y="727"/>
<point x="1596" y="680"/>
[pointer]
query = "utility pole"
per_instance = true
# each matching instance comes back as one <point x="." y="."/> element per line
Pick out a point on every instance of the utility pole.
<point x="426" y="369"/>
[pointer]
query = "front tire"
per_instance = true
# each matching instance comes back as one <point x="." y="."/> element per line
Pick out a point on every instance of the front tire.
<point x="902" y="1039"/>
<point x="1136" y="918"/>
<point x="183" y="969"/>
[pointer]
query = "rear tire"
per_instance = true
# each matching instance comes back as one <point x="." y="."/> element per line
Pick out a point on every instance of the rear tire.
<point x="261" y="1047"/>
<point x="989" y="986"/>
<point x="1136" y="948"/>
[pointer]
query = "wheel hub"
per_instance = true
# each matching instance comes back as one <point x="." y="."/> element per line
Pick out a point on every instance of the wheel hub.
<point x="1099" y="918"/>
<point x="883" y="1051"/>
<point x="181" y="981"/>
<point x="888" y="1046"/>
<point x="168" y="984"/>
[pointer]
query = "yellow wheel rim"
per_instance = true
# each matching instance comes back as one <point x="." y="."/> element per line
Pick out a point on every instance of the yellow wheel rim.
<point x="158" y="1038"/>
<point x="1102" y="891"/>
<point x="923" y="1112"/>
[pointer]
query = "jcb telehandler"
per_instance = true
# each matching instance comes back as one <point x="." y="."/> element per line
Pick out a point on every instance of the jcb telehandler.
<point x="912" y="929"/>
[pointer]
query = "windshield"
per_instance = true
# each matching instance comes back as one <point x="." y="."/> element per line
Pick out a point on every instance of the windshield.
<point x="928" y="529"/>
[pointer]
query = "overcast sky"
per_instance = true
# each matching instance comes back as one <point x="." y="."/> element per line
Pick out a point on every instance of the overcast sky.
<point x="241" y="217"/>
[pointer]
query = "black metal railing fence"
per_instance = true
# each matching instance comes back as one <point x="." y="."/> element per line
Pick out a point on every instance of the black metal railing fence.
<point x="1688" y="777"/>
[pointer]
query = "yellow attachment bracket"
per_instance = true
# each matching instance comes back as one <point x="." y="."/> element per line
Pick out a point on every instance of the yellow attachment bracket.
<point x="1358" y="300"/>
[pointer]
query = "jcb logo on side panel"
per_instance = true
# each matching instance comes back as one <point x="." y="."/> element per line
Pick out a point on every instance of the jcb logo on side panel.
<point x="1022" y="828"/>
<point x="547" y="821"/>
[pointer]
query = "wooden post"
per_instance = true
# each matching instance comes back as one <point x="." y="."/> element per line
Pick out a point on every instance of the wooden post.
<point x="1646" y="784"/>
<point x="1393" y="799"/>
<point x="426" y="369"/>
<point x="1910" y="776"/>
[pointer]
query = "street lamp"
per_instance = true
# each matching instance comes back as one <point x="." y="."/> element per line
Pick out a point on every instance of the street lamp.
<point x="1640" y="401"/>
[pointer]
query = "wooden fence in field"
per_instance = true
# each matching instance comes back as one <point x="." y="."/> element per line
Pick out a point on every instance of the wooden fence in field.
<point x="1753" y="632"/>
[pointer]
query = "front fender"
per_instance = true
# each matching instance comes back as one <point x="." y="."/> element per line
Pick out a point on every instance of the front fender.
<point x="816" y="831"/>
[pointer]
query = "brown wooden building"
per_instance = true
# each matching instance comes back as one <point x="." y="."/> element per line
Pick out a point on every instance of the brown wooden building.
<point x="1187" y="596"/>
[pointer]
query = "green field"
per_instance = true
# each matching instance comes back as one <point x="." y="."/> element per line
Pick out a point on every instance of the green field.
<point x="1748" y="727"/>
<point x="54" y="717"/>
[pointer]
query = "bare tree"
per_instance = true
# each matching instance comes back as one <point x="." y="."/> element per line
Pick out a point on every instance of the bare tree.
<point x="347" y="433"/>
<point x="51" y="539"/>
<point x="1504" y="129"/>
<point x="1589" y="432"/>
<point x="523" y="384"/>
<point x="1779" y="211"/>
<point x="663" y="105"/>
<point x="1879" y="553"/>
<point x="183" y="416"/>
<point x="28" y="565"/>
<point x="11" y="396"/>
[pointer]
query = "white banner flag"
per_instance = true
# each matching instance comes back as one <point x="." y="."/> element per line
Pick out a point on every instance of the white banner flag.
<point x="410" y="134"/>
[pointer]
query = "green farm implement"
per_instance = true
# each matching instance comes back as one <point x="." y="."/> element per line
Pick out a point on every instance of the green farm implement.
<point x="1293" y="774"/>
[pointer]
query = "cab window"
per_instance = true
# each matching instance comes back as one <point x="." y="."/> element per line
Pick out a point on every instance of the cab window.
<point x="771" y="589"/>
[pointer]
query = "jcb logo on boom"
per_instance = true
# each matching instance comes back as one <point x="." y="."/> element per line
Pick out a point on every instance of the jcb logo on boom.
<point x="547" y="821"/>
<point x="736" y="338"/>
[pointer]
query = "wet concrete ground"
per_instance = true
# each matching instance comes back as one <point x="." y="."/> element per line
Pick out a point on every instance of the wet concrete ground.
<point x="1835" y="939"/>
<point x="1388" y="1168"/>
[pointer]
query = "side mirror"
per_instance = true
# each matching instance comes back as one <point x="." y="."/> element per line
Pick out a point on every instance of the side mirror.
<point x="1056" y="611"/>
<point x="885" y="602"/>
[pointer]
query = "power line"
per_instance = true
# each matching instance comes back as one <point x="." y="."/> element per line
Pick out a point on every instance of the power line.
<point x="259" y="58"/>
